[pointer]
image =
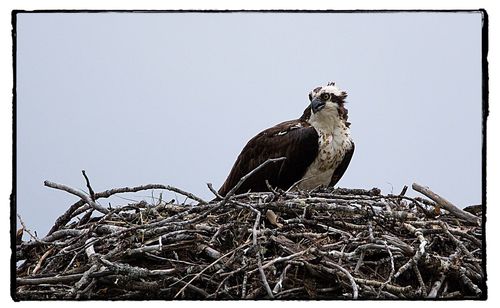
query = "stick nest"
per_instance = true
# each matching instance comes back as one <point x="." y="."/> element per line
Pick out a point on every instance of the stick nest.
<point x="324" y="244"/>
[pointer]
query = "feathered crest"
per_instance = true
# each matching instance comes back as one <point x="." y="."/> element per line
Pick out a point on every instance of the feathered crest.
<point x="331" y="83"/>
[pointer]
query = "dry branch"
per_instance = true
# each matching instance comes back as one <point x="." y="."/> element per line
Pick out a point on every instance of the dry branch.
<point x="322" y="244"/>
<point x="446" y="204"/>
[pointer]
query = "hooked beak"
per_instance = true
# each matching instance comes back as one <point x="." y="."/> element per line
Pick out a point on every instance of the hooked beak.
<point x="317" y="105"/>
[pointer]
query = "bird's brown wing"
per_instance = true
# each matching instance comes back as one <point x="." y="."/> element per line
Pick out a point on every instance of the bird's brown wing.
<point x="296" y="140"/>
<point x="342" y="167"/>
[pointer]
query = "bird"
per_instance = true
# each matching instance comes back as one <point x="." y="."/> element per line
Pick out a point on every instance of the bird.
<point x="317" y="148"/>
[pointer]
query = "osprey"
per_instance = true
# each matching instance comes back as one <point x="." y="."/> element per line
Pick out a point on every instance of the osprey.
<point x="317" y="146"/>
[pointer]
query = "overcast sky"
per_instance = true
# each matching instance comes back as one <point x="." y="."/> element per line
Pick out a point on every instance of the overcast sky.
<point x="171" y="98"/>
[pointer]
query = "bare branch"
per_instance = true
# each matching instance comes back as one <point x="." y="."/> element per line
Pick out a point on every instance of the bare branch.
<point x="446" y="204"/>
<point x="321" y="244"/>
<point x="78" y="194"/>
<point x="91" y="191"/>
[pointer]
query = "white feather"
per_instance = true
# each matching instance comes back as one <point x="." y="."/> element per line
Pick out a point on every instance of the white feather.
<point x="334" y="141"/>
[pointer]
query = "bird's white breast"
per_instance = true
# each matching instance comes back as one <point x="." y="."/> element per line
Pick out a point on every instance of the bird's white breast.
<point x="332" y="146"/>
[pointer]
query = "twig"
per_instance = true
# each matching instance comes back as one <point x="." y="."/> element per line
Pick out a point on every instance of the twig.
<point x="446" y="204"/>
<point x="58" y="279"/>
<point x="42" y="258"/>
<point x="259" y="259"/>
<point x="209" y="266"/>
<point x="215" y="192"/>
<point x="135" y="272"/>
<point x="391" y="288"/>
<point x="271" y="189"/>
<point x="27" y="230"/>
<point x="279" y="285"/>
<point x="423" y="288"/>
<point x="354" y="286"/>
<point x="418" y="254"/>
<point x="84" y="279"/>
<point x="233" y="190"/>
<point x="263" y="275"/>
<point x="182" y="192"/>
<point x="191" y="287"/>
<point x="225" y="249"/>
<point x="466" y="280"/>
<point x="437" y="286"/>
<point x="245" y="279"/>
<point x="108" y="193"/>
<point x="360" y="262"/>
<point x="284" y="259"/>
<point x="391" y="274"/>
<point x="91" y="191"/>
<point x="63" y="219"/>
<point x="459" y="244"/>
<point x="78" y="194"/>
<point x="297" y="183"/>
<point x="403" y="191"/>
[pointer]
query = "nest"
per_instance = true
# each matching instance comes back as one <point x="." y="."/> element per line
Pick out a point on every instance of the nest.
<point x="324" y="244"/>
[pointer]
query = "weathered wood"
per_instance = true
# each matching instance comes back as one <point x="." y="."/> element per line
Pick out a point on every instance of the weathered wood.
<point x="447" y="205"/>
<point x="322" y="244"/>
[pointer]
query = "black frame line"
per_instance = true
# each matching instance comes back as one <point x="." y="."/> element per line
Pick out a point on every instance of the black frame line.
<point x="485" y="104"/>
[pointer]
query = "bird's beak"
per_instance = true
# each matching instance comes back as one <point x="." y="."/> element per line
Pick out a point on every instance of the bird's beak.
<point x="317" y="105"/>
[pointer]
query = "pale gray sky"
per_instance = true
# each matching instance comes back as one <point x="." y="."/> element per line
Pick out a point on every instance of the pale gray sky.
<point x="171" y="98"/>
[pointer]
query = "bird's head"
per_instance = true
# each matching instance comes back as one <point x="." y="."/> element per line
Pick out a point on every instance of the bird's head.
<point x="326" y="107"/>
<point x="327" y="99"/>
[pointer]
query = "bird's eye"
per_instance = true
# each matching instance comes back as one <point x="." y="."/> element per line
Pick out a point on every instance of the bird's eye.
<point x="325" y="96"/>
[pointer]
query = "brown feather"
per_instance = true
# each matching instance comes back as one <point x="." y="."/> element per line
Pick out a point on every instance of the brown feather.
<point x="298" y="144"/>
<point x="342" y="167"/>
